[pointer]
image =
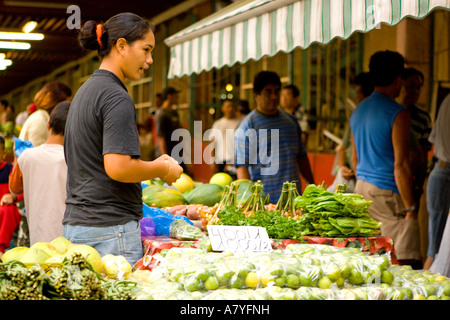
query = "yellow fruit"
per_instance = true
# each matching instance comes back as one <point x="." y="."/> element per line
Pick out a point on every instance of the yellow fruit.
<point x="35" y="255"/>
<point x="267" y="278"/>
<point x="50" y="249"/>
<point x="440" y="278"/>
<point x="91" y="255"/>
<point x="55" y="259"/>
<point x="251" y="280"/>
<point x="221" y="178"/>
<point x="184" y="183"/>
<point x="15" y="253"/>
<point x="115" y="267"/>
<point x="61" y="244"/>
<point x="139" y="276"/>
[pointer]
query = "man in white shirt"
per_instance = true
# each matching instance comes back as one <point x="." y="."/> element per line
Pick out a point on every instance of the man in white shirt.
<point x="438" y="192"/>
<point x="40" y="173"/>
<point x="223" y="141"/>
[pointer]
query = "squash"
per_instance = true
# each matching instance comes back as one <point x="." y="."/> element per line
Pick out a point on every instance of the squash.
<point x="162" y="197"/>
<point x="207" y="194"/>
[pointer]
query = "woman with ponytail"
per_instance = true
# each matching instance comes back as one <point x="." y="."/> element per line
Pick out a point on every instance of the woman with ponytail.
<point x="104" y="194"/>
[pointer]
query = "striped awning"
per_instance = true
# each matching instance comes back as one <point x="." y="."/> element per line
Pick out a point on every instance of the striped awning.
<point x="251" y="29"/>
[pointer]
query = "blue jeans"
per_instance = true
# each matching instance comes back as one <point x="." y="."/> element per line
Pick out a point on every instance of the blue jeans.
<point x="122" y="240"/>
<point x="438" y="201"/>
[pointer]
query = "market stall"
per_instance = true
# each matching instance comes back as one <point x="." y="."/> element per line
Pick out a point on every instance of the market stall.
<point x="154" y="245"/>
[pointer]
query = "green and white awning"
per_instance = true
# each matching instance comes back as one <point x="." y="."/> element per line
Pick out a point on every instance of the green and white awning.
<point x="251" y="29"/>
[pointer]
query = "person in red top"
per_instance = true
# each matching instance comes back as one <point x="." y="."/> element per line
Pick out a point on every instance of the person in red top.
<point x="9" y="214"/>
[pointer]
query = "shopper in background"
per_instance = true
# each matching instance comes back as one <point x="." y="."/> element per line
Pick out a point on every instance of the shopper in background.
<point x="167" y="120"/>
<point x="242" y="109"/>
<point x="23" y="116"/>
<point x="9" y="213"/>
<point x="380" y="141"/>
<point x="345" y="173"/>
<point x="222" y="138"/>
<point x="40" y="174"/>
<point x="421" y="127"/>
<point x="35" y="127"/>
<point x="290" y="103"/>
<point x="3" y="105"/>
<point x="268" y="144"/>
<point x="101" y="144"/>
<point x="438" y="186"/>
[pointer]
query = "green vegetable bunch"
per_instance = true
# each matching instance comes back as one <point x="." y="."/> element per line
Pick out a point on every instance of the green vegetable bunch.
<point x="75" y="280"/>
<point x="329" y="214"/>
<point x="278" y="226"/>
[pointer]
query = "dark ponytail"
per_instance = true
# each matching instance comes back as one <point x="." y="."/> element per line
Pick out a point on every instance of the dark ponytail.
<point x="126" y="25"/>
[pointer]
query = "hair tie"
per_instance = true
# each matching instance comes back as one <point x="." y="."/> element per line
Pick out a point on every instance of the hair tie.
<point x="99" y="31"/>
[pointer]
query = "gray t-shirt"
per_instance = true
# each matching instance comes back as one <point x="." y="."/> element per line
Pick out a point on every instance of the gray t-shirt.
<point x="101" y="120"/>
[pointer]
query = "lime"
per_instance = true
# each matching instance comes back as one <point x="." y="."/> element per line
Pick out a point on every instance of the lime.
<point x="191" y="284"/>
<point x="276" y="270"/>
<point x="382" y="262"/>
<point x="306" y="280"/>
<point x="387" y="277"/>
<point x="202" y="274"/>
<point x="408" y="293"/>
<point x="444" y="297"/>
<point x="324" y="283"/>
<point x="432" y="297"/>
<point x="446" y="290"/>
<point x="211" y="283"/>
<point x="333" y="272"/>
<point x="345" y="271"/>
<point x="430" y="289"/>
<point x="292" y="281"/>
<point x="397" y="295"/>
<point x="175" y="275"/>
<point x="236" y="282"/>
<point x="340" y="282"/>
<point x="356" y="277"/>
<point x="251" y="280"/>
<point x="242" y="271"/>
<point x="266" y="278"/>
<point x="280" y="281"/>
<point x="223" y="275"/>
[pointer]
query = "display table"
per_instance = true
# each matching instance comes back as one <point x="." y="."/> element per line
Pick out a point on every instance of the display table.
<point x="155" y="244"/>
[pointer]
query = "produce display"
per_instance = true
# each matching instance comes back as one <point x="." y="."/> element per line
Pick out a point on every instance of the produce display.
<point x="60" y="270"/>
<point x="300" y="272"/>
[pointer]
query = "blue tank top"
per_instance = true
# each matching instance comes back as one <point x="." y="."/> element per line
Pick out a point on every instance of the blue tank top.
<point x="371" y="124"/>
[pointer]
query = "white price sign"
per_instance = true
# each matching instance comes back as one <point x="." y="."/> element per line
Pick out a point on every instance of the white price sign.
<point x="239" y="238"/>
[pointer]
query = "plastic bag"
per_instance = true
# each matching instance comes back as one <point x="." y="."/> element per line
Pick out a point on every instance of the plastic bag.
<point x="162" y="219"/>
<point x="21" y="145"/>
<point x="181" y="230"/>
<point x="147" y="227"/>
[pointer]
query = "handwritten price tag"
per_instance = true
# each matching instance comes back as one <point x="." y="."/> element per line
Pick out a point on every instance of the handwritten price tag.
<point x="238" y="238"/>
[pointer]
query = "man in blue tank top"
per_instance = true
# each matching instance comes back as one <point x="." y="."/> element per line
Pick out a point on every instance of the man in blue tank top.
<point x="380" y="140"/>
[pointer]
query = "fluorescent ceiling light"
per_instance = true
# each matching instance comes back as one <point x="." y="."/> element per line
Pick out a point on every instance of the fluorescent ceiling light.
<point x="15" y="45"/>
<point x="29" y="26"/>
<point x="20" y="36"/>
<point x="5" y="62"/>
